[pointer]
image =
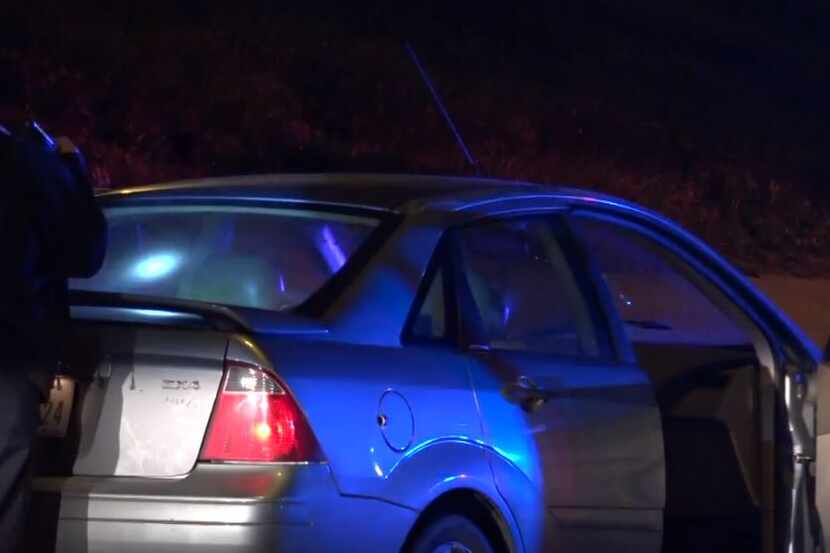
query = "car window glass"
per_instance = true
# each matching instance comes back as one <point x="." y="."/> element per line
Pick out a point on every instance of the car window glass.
<point x="654" y="296"/>
<point x="524" y="291"/>
<point x="246" y="256"/>
<point x="430" y="322"/>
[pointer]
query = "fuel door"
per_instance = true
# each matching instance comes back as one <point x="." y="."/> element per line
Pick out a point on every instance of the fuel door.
<point x="396" y="422"/>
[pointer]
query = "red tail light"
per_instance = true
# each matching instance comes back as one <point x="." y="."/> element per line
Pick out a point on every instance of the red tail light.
<point x="256" y="420"/>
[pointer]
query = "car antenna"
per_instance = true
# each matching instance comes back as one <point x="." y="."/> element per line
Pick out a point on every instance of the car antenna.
<point x="468" y="155"/>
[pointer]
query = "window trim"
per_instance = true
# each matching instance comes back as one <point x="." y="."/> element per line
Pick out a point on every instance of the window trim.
<point x="470" y="335"/>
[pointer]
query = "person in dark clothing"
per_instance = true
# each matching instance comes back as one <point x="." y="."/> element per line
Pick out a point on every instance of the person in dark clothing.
<point x="51" y="229"/>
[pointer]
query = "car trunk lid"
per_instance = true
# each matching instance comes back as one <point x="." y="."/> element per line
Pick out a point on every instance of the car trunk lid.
<point x="139" y="384"/>
<point x="141" y="398"/>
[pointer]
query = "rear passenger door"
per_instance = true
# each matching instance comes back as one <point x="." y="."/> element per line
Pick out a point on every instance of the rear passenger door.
<point x="699" y="349"/>
<point x="573" y="424"/>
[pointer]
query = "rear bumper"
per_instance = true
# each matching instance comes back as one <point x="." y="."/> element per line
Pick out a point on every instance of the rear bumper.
<point x="215" y="508"/>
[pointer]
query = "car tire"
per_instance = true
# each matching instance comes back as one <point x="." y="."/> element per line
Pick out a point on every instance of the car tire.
<point x="451" y="534"/>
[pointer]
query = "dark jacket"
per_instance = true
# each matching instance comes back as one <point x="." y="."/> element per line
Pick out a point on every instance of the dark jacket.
<point x="51" y="229"/>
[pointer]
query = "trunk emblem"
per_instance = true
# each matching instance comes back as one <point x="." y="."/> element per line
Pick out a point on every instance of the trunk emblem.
<point x="170" y="384"/>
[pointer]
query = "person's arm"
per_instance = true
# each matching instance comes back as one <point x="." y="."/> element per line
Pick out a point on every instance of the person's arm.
<point x="84" y="251"/>
<point x="70" y="229"/>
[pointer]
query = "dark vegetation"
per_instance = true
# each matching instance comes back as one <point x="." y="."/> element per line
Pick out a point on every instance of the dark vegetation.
<point x="714" y="113"/>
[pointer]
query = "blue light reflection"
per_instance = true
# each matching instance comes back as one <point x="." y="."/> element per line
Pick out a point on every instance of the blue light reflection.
<point x="156" y="266"/>
<point x="157" y="313"/>
<point x="332" y="252"/>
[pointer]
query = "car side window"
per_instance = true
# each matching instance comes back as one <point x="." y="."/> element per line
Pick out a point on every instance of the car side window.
<point x="433" y="317"/>
<point x="524" y="289"/>
<point x="653" y="289"/>
<point x="430" y="319"/>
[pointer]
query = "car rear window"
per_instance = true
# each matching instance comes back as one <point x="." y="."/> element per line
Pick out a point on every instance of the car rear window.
<point x="246" y="256"/>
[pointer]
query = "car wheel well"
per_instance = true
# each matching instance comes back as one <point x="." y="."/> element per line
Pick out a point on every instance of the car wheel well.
<point x="470" y="504"/>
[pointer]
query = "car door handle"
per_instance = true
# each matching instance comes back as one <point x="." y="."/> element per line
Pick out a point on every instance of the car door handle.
<point x="524" y="392"/>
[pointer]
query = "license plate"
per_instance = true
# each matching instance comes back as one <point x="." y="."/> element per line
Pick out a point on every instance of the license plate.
<point x="54" y="414"/>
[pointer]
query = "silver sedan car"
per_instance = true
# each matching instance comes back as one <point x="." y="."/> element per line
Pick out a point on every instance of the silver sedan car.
<point x="421" y="364"/>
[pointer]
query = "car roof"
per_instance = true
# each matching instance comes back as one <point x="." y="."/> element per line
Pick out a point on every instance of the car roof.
<point x="391" y="192"/>
<point x="412" y="192"/>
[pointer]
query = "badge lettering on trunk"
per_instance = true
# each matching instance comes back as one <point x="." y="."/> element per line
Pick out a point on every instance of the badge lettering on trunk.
<point x="170" y="384"/>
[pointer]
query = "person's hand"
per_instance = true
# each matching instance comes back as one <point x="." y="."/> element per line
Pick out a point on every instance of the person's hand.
<point x="72" y="158"/>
